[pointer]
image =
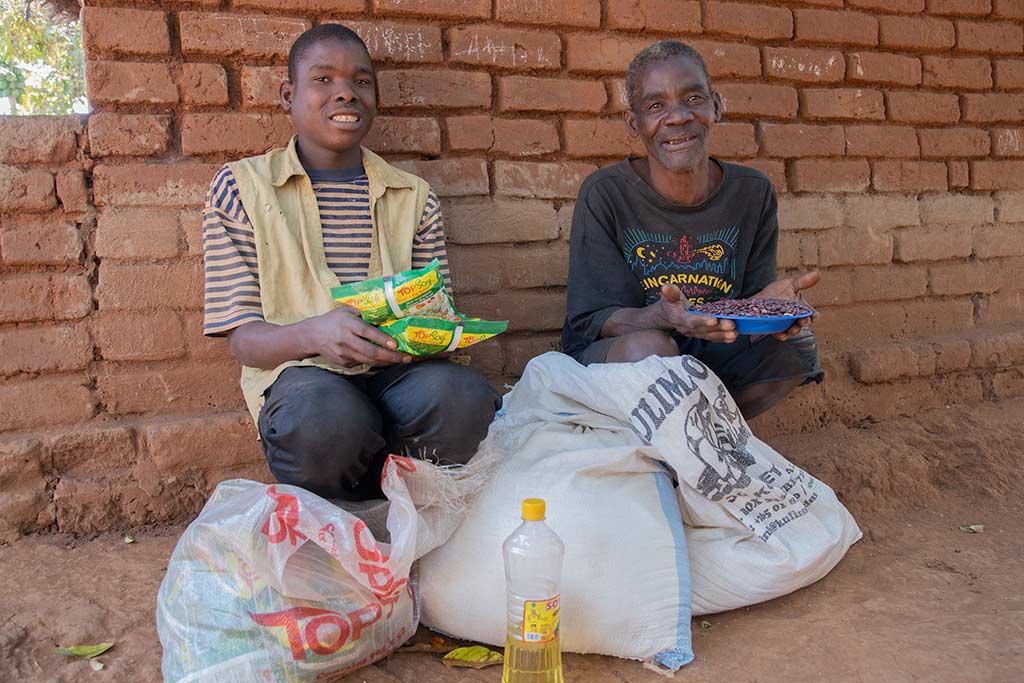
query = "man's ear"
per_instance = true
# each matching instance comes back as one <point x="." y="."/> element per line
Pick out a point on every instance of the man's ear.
<point x="285" y="92"/>
<point x="719" y="106"/>
<point x="631" y="124"/>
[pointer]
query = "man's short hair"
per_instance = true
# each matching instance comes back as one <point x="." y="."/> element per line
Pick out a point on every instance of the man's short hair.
<point x="319" y="34"/>
<point x="659" y="52"/>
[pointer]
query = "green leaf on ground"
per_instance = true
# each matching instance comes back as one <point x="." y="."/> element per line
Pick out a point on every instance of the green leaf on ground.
<point x="88" y="651"/>
<point x="474" y="657"/>
<point x="973" y="528"/>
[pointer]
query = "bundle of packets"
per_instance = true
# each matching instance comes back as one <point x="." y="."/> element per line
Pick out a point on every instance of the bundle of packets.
<point x="414" y="308"/>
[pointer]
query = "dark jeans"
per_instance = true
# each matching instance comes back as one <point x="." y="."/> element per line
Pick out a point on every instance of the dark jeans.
<point x="330" y="434"/>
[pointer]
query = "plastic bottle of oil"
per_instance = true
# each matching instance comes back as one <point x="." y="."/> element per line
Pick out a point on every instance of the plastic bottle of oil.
<point x="533" y="570"/>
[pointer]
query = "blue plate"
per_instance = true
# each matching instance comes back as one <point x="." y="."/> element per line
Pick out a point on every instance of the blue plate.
<point x="760" y="325"/>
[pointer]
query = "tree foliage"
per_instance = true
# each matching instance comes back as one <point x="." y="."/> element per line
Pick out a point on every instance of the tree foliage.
<point x="42" y="45"/>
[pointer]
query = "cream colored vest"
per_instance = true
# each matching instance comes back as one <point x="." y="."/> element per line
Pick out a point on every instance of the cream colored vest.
<point x="295" y="282"/>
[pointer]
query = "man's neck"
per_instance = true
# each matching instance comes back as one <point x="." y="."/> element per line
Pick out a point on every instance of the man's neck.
<point x="318" y="159"/>
<point x="691" y="186"/>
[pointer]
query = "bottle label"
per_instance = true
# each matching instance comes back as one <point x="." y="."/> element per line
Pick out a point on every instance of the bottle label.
<point x="540" y="620"/>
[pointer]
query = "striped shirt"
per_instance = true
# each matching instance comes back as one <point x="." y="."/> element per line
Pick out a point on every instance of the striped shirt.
<point x="343" y="197"/>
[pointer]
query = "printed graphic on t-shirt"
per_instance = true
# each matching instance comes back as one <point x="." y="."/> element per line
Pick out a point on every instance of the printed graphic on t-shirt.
<point x="702" y="266"/>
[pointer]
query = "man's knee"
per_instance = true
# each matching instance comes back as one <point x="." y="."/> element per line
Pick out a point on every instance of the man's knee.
<point x="636" y="346"/>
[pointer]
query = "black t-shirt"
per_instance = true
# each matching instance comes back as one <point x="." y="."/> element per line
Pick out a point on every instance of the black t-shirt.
<point x="627" y="241"/>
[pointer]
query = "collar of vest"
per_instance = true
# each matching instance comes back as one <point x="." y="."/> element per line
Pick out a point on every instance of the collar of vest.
<point x="284" y="165"/>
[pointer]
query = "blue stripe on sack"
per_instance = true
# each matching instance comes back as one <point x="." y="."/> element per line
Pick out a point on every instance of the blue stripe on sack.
<point x="682" y="654"/>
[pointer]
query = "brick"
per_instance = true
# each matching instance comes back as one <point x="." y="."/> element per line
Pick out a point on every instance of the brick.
<point x="233" y="133"/>
<point x="190" y="226"/>
<point x="921" y="107"/>
<point x="138" y="336"/>
<point x="805" y="65"/>
<point x="842" y="103"/>
<point x="757" y="22"/>
<point x="1009" y="207"/>
<point x="301" y="6"/>
<point x="666" y="16"/>
<point x="124" y="31"/>
<point x="835" y="28"/>
<point x="894" y="6"/>
<point x="214" y="442"/>
<point x="991" y="37"/>
<point x="261" y="86"/>
<point x="39" y="139"/>
<point x="882" y="212"/>
<point x="949" y="279"/>
<point x="1008" y="384"/>
<point x="852" y="247"/>
<point x="527" y="310"/>
<point x="130" y="83"/>
<point x="46" y="401"/>
<point x="951" y="354"/>
<point x="1001" y="308"/>
<point x="40" y="241"/>
<point x="817" y="175"/>
<point x="598" y="137"/>
<point x="993" y="108"/>
<point x="910" y="176"/>
<point x="434" y="88"/>
<point x="31" y="190"/>
<point x="725" y="60"/>
<point x="128" y="134"/>
<point x="521" y="350"/>
<point x="446" y="9"/>
<point x="25" y="505"/>
<point x="951" y="209"/>
<point x="144" y="286"/>
<point x="137" y="234"/>
<point x="960" y="8"/>
<point x="754" y="100"/>
<point x="203" y="85"/>
<point x="964" y="73"/>
<point x="486" y="220"/>
<point x="238" y="35"/>
<point x="887" y="141"/>
<point x="26" y="297"/>
<point x="404" y="134"/>
<point x="602" y="53"/>
<point x="198" y="347"/>
<point x="1009" y="74"/>
<point x="551" y="12"/>
<point x="996" y="241"/>
<point x="1008" y="9"/>
<point x="796" y="250"/>
<point x="884" y="283"/>
<point x="167" y="387"/>
<point x="733" y="141"/>
<point x="541" y="180"/>
<point x="932" y="243"/>
<point x="486" y="268"/>
<point x="179" y="184"/>
<point x="873" y="67"/>
<point x="488" y="45"/>
<point x="392" y="41"/>
<point x="71" y="296"/>
<point x="800" y="140"/>
<point x="72" y="191"/>
<point x="522" y="137"/>
<point x="810" y="213"/>
<point x="774" y="170"/>
<point x="452" y="177"/>
<point x="916" y="33"/>
<point x="51" y="348"/>
<point x="883" y="363"/>
<point x="474" y="132"/>
<point x="89" y="450"/>
<point x="959" y="174"/>
<point x="943" y="143"/>
<point x="523" y="93"/>
<point x="997" y="175"/>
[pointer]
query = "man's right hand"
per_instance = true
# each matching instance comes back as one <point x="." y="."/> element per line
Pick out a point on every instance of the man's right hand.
<point x="341" y="336"/>
<point x="673" y="311"/>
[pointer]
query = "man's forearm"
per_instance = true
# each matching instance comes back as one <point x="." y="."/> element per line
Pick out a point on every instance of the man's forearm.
<point x="626" y="320"/>
<point x="262" y="345"/>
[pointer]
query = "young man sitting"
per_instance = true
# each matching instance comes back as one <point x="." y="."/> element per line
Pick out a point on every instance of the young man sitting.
<point x="330" y="394"/>
<point x="652" y="235"/>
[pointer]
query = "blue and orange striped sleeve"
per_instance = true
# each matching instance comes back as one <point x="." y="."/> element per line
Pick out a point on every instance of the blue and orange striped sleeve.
<point x="428" y="243"/>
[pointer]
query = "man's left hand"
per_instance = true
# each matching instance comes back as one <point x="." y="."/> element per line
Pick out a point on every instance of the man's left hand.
<point x="791" y="288"/>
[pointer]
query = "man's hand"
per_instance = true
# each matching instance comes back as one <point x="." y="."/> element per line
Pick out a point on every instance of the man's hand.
<point x="341" y="336"/>
<point x="673" y="311"/>
<point x="791" y="288"/>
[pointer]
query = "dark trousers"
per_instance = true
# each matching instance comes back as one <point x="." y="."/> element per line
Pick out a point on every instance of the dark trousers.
<point x="330" y="434"/>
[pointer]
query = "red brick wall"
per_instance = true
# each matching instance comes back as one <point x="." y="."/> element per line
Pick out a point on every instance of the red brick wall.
<point x="891" y="129"/>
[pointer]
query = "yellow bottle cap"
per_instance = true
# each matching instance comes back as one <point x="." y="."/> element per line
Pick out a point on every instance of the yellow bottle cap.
<point x="533" y="509"/>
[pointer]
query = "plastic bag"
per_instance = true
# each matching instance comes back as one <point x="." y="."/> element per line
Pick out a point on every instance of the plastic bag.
<point x="273" y="583"/>
<point x="422" y="336"/>
<point x="411" y="292"/>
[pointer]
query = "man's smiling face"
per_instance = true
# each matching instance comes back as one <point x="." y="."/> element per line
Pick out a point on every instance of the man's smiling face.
<point x="332" y="98"/>
<point x="673" y="112"/>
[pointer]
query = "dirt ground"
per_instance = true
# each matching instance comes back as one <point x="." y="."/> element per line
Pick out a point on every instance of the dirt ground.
<point x="917" y="600"/>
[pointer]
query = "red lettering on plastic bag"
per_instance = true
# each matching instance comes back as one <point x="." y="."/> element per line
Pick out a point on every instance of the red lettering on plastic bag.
<point x="301" y="637"/>
<point x="287" y="515"/>
<point x="378" y="575"/>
